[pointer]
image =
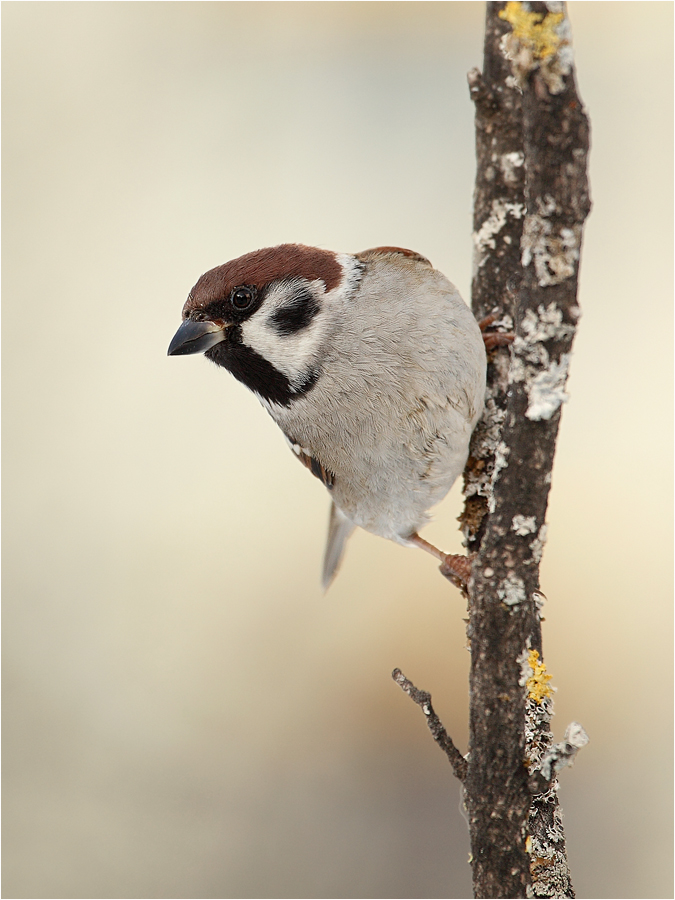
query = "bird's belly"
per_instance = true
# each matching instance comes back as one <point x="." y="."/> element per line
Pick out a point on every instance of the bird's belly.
<point x="392" y="498"/>
<point x="390" y="460"/>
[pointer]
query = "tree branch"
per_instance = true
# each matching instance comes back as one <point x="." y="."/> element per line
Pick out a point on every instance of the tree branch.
<point x="440" y="735"/>
<point x="530" y="203"/>
<point x="531" y="200"/>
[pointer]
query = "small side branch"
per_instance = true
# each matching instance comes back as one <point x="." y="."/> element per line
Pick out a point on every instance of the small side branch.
<point x="556" y="758"/>
<point x="545" y="845"/>
<point x="440" y="735"/>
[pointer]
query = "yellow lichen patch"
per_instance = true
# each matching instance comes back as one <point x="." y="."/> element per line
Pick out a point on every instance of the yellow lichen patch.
<point x="537" y="32"/>
<point x="538" y="683"/>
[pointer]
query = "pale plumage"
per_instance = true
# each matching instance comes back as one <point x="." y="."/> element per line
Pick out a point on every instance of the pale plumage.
<point x="371" y="364"/>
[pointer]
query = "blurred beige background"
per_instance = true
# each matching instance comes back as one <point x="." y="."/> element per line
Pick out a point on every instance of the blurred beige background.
<point x="185" y="715"/>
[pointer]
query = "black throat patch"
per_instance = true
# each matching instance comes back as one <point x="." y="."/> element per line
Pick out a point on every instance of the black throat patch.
<point x="256" y="372"/>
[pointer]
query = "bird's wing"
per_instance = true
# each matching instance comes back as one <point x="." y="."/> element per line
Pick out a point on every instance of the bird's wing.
<point x="310" y="462"/>
<point x="365" y="255"/>
<point x="339" y="529"/>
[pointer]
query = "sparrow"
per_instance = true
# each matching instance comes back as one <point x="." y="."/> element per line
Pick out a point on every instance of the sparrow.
<point x="372" y="366"/>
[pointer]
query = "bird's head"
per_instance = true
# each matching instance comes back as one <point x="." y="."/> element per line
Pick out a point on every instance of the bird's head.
<point x="267" y="316"/>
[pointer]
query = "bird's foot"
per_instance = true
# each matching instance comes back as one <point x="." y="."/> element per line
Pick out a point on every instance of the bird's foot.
<point x="457" y="569"/>
<point x="493" y="339"/>
<point x="454" y="567"/>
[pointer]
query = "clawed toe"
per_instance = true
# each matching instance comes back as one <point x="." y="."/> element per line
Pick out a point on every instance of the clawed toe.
<point x="456" y="569"/>
<point x="497" y="339"/>
<point x="494" y="339"/>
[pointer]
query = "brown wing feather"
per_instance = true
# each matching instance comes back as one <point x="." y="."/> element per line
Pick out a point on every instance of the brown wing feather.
<point x="315" y="467"/>
<point x="390" y="251"/>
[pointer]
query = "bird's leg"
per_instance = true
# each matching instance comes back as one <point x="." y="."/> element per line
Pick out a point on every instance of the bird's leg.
<point x="456" y="568"/>
<point x="494" y="339"/>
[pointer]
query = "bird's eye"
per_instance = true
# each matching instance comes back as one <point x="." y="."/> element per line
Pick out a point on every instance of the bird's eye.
<point x="242" y="297"/>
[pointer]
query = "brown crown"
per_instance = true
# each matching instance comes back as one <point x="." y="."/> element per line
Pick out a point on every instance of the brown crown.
<point x="261" y="267"/>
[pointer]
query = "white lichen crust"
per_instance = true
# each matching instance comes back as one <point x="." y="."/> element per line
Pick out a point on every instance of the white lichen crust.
<point x="512" y="590"/>
<point x="545" y="844"/>
<point x="560" y="755"/>
<point x="523" y="525"/>
<point x="501" y="461"/>
<point x="546" y="391"/>
<point x="555" y="253"/>
<point x="486" y="237"/>
<point x="548" y="858"/>
<point x="544" y="378"/>
<point x="537" y="545"/>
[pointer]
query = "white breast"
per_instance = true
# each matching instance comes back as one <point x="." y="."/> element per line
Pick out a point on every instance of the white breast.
<point x="401" y="388"/>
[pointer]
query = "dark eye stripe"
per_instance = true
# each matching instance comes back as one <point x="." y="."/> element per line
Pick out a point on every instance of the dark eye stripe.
<point x="295" y="314"/>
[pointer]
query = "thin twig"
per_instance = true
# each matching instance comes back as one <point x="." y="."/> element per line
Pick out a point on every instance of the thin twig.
<point x="440" y="735"/>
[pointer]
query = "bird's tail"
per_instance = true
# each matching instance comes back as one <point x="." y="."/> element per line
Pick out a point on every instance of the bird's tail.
<point x="339" y="529"/>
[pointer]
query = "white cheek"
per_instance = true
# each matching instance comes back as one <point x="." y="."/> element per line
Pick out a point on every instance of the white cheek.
<point x="293" y="355"/>
<point x="297" y="355"/>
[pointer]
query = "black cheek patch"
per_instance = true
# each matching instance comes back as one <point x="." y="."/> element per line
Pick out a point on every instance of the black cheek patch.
<point x="257" y="373"/>
<point x="296" y="314"/>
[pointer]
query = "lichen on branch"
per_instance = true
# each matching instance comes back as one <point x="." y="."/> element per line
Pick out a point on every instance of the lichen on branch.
<point x="530" y="202"/>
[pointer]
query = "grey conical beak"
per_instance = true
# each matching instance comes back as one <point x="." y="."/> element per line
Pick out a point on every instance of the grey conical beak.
<point x="195" y="337"/>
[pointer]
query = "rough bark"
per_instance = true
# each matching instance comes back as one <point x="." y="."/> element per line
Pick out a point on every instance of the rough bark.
<point x="530" y="203"/>
<point x="531" y="199"/>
